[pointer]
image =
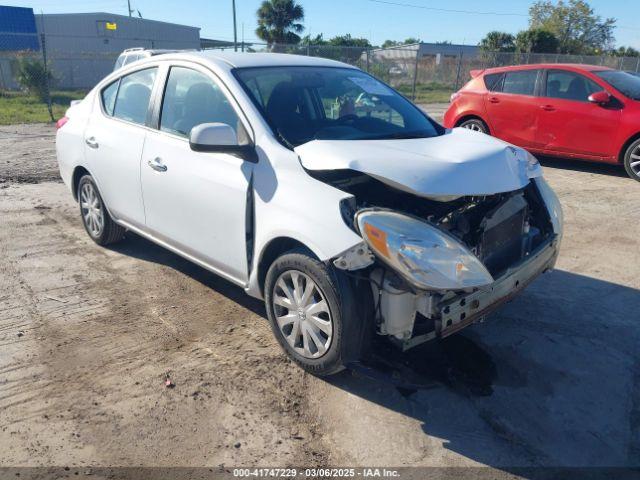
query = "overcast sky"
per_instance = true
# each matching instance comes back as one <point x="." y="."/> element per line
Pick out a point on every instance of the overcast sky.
<point x="372" y="19"/>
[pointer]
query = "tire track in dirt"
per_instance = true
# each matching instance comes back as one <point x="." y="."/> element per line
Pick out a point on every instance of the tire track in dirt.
<point x="105" y="326"/>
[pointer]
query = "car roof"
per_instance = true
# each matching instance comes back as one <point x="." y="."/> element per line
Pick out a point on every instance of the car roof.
<point x="533" y="66"/>
<point x="246" y="59"/>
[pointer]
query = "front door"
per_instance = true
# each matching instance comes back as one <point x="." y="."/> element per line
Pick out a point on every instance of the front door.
<point x="570" y="124"/>
<point x="196" y="201"/>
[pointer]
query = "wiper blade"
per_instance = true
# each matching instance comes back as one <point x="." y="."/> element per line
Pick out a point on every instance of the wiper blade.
<point x="398" y="136"/>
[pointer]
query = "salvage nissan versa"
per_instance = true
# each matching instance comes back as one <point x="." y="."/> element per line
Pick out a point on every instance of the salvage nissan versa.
<point x="315" y="187"/>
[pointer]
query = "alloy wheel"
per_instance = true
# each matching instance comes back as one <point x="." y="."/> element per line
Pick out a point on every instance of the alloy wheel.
<point x="473" y="125"/>
<point x="91" y="208"/>
<point x="634" y="161"/>
<point x="302" y="314"/>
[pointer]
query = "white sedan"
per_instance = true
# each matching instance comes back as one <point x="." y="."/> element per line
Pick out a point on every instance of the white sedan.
<point x="316" y="187"/>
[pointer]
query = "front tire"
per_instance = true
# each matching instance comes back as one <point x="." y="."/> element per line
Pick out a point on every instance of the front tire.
<point x="632" y="160"/>
<point x="313" y="315"/>
<point x="476" y="125"/>
<point x="95" y="217"/>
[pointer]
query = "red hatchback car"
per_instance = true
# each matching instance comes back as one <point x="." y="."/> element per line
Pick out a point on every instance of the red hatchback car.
<point x="574" y="111"/>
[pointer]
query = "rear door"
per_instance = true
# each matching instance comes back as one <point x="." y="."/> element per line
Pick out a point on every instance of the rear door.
<point x="114" y="138"/>
<point x="512" y="107"/>
<point x="568" y="123"/>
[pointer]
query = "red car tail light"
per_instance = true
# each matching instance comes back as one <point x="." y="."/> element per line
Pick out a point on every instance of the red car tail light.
<point x="60" y="123"/>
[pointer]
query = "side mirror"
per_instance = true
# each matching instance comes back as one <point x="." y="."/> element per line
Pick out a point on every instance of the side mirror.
<point x="601" y="98"/>
<point x="220" y="138"/>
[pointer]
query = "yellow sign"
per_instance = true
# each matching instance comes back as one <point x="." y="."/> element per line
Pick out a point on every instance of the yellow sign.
<point x="111" y="26"/>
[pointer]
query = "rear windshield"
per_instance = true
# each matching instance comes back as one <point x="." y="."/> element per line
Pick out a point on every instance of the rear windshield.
<point x="626" y="83"/>
<point x="326" y="103"/>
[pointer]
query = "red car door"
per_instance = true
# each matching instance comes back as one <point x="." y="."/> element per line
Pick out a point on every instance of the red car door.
<point x="512" y="107"/>
<point x="568" y="123"/>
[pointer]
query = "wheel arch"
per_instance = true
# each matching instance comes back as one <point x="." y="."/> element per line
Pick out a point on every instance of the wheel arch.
<point x="272" y="250"/>
<point x="471" y="116"/>
<point x="626" y="145"/>
<point x="78" y="173"/>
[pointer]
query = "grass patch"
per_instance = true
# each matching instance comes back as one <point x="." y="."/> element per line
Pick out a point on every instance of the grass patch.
<point x="18" y="107"/>
<point x="428" y="92"/>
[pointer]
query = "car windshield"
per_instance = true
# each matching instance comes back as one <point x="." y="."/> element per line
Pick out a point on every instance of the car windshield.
<point x="626" y="83"/>
<point x="326" y="103"/>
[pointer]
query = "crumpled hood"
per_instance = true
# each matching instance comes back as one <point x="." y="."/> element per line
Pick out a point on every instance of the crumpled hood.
<point x="460" y="162"/>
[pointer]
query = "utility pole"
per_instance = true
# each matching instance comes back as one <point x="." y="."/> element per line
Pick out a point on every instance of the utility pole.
<point x="235" y="30"/>
<point x="129" y="6"/>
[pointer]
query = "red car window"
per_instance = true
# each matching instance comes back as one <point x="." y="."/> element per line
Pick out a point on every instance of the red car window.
<point x="569" y="86"/>
<point x="521" y="82"/>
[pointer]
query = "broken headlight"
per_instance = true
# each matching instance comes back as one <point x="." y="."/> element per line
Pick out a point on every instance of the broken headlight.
<point x="425" y="256"/>
<point x="552" y="202"/>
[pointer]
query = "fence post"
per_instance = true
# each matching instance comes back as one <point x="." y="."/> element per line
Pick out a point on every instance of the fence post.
<point x="638" y="64"/>
<point x="367" y="50"/>
<point x="458" y="71"/>
<point x="3" y="84"/>
<point x="415" y="76"/>
<point x="47" y="89"/>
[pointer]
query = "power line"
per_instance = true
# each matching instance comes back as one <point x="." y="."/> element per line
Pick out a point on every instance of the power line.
<point x="447" y="10"/>
<point x="471" y="12"/>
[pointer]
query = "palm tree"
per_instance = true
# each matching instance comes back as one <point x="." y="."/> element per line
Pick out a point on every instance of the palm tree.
<point x="279" y="21"/>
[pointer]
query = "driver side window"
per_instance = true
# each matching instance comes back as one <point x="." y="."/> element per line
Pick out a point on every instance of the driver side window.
<point x="192" y="98"/>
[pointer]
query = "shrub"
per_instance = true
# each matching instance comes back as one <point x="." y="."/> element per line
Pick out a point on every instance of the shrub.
<point x="32" y="76"/>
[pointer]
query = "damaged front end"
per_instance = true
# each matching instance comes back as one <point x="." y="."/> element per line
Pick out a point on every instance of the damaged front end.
<point x="438" y="265"/>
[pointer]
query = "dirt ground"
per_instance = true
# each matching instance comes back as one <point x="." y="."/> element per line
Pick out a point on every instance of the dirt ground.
<point x="88" y="336"/>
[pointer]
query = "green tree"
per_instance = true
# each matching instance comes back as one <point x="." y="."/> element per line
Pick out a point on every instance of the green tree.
<point x="536" y="40"/>
<point x="395" y="43"/>
<point x="279" y="21"/>
<point x="626" y="52"/>
<point x="578" y="29"/>
<point x="498" y="42"/>
<point x="32" y="76"/>
<point x="348" y="41"/>
<point x="317" y="40"/>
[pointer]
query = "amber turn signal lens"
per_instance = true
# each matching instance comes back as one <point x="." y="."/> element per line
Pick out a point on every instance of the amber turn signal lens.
<point x="377" y="238"/>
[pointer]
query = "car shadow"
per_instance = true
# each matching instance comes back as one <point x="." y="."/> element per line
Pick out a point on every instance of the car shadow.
<point x="551" y="379"/>
<point x="583" y="166"/>
<point x="138" y="247"/>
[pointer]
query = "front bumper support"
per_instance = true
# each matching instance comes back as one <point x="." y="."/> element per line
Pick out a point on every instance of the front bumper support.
<point x="462" y="311"/>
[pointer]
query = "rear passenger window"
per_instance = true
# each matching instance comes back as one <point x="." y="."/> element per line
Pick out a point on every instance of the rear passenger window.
<point x="132" y="102"/>
<point x="192" y="98"/>
<point x="109" y="97"/>
<point x="570" y="86"/>
<point x="131" y="58"/>
<point x="119" y="62"/>
<point x="521" y="82"/>
<point x="493" y="81"/>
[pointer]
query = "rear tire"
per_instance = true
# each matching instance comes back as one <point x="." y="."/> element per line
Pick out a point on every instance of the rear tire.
<point x="95" y="217"/>
<point x="476" y="125"/>
<point x="339" y="327"/>
<point x="632" y="160"/>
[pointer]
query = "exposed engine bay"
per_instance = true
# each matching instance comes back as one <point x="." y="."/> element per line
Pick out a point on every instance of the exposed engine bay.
<point x="503" y="231"/>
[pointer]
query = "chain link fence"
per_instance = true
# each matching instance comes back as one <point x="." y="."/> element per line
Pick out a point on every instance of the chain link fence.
<point x="37" y="83"/>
